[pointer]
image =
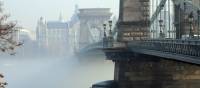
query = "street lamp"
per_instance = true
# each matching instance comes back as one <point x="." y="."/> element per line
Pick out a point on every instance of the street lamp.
<point x="161" y="25"/>
<point x="104" y="30"/>
<point x="104" y="37"/>
<point x="108" y="40"/>
<point x="110" y="37"/>
<point x="198" y="22"/>
<point x="110" y="25"/>
<point x="191" y="19"/>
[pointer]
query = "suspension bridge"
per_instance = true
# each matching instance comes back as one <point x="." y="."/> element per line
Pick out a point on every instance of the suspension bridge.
<point x="156" y="44"/>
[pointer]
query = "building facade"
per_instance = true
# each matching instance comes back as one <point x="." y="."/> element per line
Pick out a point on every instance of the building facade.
<point x="41" y="33"/>
<point x="53" y="36"/>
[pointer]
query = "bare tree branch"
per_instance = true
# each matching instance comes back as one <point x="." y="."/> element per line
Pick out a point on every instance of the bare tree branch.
<point x="8" y="33"/>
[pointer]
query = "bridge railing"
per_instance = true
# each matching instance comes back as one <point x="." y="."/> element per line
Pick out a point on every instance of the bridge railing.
<point x="185" y="47"/>
<point x="111" y="43"/>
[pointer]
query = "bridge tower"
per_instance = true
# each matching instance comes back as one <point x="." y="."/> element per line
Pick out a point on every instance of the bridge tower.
<point x="86" y="26"/>
<point x="153" y="66"/>
<point x="133" y="20"/>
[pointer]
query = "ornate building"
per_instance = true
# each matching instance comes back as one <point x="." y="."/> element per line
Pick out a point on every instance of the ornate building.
<point x="41" y="31"/>
<point x="53" y="36"/>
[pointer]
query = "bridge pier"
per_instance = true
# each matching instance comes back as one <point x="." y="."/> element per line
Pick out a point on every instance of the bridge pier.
<point x="133" y="70"/>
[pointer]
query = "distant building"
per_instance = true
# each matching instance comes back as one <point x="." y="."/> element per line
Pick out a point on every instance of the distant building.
<point x="41" y="33"/>
<point x="53" y="35"/>
<point x="29" y="48"/>
<point x="86" y="26"/>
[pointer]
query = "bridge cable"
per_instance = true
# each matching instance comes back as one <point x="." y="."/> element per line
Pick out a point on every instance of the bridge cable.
<point x="158" y="10"/>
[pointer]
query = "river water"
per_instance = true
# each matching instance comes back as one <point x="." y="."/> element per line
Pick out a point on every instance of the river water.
<point x="65" y="72"/>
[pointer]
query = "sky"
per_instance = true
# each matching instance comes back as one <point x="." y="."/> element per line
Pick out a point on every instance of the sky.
<point x="27" y="12"/>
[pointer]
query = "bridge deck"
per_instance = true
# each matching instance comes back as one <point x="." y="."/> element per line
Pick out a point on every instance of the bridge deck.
<point x="168" y="55"/>
<point x="182" y="50"/>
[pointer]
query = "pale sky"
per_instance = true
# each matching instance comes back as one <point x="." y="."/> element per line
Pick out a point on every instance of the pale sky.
<point x="27" y="12"/>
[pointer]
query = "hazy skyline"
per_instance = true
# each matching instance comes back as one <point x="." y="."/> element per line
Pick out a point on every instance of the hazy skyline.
<point x="27" y="12"/>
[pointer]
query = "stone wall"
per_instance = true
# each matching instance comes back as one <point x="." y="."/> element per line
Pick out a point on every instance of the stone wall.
<point x="133" y="23"/>
<point x="156" y="73"/>
<point x="133" y="10"/>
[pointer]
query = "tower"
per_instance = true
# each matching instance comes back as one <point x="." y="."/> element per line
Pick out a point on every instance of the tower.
<point x="60" y="17"/>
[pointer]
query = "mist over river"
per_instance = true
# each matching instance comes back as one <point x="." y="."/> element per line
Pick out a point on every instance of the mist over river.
<point x="65" y="72"/>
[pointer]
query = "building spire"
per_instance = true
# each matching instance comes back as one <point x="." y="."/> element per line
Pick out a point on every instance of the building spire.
<point x="76" y="8"/>
<point x="60" y="17"/>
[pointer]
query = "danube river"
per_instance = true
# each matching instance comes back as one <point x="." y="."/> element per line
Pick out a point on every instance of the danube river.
<point x="65" y="72"/>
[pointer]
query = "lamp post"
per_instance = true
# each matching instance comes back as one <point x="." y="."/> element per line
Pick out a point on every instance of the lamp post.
<point x="104" y="30"/>
<point x="108" y="40"/>
<point x="110" y="34"/>
<point x="191" y="19"/>
<point x="161" y="25"/>
<point x="198" y="23"/>
<point x="110" y="25"/>
<point x="105" y="36"/>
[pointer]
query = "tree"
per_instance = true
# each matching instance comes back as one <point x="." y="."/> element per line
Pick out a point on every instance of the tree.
<point x="8" y="33"/>
<point x="2" y="82"/>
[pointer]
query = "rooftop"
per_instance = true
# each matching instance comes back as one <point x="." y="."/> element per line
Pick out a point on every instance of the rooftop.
<point x="57" y="25"/>
<point x="94" y="10"/>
